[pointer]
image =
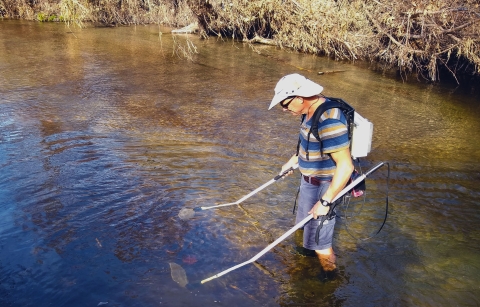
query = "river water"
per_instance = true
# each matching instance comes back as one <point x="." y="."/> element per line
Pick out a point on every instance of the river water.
<point x="107" y="133"/>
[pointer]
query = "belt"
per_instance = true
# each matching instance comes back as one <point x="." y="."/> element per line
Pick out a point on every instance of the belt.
<point x="314" y="180"/>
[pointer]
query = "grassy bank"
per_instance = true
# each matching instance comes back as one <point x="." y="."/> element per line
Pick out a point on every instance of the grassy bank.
<point x="427" y="37"/>
<point x="100" y="12"/>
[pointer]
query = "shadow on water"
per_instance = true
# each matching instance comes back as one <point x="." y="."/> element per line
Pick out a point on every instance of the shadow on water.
<point x="105" y="137"/>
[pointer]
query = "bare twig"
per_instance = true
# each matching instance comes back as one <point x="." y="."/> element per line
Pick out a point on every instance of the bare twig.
<point x="460" y="27"/>
<point x="392" y="39"/>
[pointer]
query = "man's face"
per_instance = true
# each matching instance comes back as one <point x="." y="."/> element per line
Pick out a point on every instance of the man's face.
<point x="292" y="104"/>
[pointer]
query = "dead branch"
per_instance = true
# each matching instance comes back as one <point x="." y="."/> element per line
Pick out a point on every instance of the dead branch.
<point x="392" y="39"/>
<point x="260" y="40"/>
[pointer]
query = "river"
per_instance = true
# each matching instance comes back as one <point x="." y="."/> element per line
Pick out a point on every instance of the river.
<point x="107" y="133"/>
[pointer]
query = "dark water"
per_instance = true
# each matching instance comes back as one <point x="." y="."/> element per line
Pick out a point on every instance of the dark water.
<point x="106" y="134"/>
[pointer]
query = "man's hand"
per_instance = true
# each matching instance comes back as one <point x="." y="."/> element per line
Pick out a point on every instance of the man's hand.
<point x="293" y="160"/>
<point x="319" y="210"/>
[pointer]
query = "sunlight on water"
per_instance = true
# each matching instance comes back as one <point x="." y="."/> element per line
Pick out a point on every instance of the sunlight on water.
<point x="106" y="136"/>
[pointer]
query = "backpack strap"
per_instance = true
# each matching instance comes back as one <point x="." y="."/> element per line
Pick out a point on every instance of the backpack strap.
<point x="327" y="105"/>
<point x="330" y="103"/>
<point x="299" y="140"/>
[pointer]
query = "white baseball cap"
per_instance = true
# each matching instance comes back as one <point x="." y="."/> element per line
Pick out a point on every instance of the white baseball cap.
<point x="294" y="85"/>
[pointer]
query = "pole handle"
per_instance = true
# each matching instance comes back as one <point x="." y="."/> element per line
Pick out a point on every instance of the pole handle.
<point x="285" y="172"/>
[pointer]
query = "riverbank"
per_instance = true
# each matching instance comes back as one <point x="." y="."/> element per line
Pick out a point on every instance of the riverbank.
<point x="431" y="39"/>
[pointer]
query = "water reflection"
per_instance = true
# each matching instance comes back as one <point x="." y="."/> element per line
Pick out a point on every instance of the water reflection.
<point x="105" y="137"/>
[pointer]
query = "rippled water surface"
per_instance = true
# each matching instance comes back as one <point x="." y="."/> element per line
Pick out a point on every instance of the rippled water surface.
<point x="107" y="133"/>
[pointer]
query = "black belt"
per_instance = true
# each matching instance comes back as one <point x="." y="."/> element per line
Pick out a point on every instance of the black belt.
<point x="314" y="180"/>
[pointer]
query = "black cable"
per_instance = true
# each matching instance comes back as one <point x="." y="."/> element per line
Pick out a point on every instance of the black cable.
<point x="347" y="202"/>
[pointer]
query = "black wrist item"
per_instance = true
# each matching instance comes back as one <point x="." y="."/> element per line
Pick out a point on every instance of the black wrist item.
<point x="325" y="203"/>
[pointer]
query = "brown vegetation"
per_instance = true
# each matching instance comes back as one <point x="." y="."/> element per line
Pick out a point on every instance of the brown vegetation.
<point x="104" y="12"/>
<point x="422" y="36"/>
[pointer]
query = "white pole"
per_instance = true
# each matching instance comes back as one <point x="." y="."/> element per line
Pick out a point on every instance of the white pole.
<point x="299" y="225"/>
<point x="255" y="191"/>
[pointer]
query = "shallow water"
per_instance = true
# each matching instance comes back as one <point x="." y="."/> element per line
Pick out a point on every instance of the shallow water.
<point x="107" y="133"/>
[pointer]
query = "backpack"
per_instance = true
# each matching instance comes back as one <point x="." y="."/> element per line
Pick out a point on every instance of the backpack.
<point x="359" y="129"/>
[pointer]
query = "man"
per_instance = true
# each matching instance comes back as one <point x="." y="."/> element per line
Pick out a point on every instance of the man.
<point x="323" y="175"/>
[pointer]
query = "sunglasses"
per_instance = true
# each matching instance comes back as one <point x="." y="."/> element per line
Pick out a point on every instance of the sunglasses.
<point x="285" y="105"/>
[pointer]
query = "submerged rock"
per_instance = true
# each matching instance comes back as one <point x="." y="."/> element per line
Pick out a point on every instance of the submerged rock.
<point x="178" y="274"/>
<point x="186" y="213"/>
<point x="189" y="259"/>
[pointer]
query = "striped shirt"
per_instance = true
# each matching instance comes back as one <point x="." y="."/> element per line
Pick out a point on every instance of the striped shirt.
<point x="332" y="129"/>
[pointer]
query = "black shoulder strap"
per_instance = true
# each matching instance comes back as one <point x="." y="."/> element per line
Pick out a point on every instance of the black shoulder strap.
<point x="330" y="103"/>
<point x="299" y="140"/>
<point x="347" y="110"/>
<point x="327" y="105"/>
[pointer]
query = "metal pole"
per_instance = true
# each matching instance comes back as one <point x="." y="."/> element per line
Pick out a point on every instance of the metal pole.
<point x="251" y="193"/>
<point x="299" y="225"/>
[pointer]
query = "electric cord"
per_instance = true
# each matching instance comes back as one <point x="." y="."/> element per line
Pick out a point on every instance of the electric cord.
<point x="346" y="202"/>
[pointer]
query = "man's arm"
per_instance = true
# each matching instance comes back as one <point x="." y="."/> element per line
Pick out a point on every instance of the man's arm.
<point x="339" y="181"/>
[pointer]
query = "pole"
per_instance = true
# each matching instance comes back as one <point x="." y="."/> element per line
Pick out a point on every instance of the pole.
<point x="299" y="225"/>
<point x="251" y="193"/>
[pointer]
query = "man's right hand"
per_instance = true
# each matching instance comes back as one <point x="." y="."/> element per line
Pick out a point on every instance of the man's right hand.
<point x="291" y="163"/>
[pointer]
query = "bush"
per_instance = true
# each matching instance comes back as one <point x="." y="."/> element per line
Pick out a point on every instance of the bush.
<point x="104" y="12"/>
<point x="420" y="36"/>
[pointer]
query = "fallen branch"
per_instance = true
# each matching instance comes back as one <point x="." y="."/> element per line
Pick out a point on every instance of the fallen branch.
<point x="329" y="72"/>
<point x="191" y="28"/>
<point x="261" y="40"/>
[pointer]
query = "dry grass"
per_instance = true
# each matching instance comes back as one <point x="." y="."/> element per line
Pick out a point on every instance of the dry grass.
<point x="74" y="11"/>
<point x="105" y="12"/>
<point x="422" y="36"/>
